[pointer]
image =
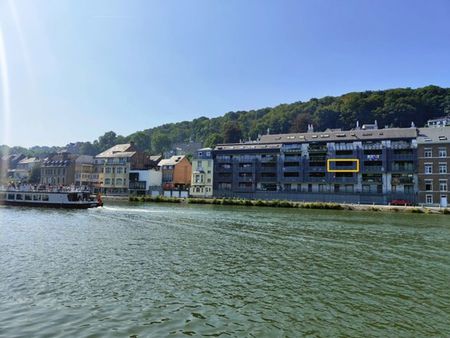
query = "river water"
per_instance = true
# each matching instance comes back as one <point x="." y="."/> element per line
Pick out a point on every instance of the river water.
<point x="157" y="270"/>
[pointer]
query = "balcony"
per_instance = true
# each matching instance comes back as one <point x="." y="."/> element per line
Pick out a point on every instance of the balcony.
<point x="291" y="169"/>
<point x="292" y="158"/>
<point x="246" y="169"/>
<point x="317" y="169"/>
<point x="223" y="170"/>
<point x="292" y="179"/>
<point x="268" y="169"/>
<point x="403" y="168"/>
<point x="268" y="159"/>
<point x="344" y="179"/>
<point x="316" y="179"/>
<point x="245" y="179"/>
<point x="138" y="185"/>
<point x="373" y="169"/>
<point x="266" y="179"/>
<point x="319" y="149"/>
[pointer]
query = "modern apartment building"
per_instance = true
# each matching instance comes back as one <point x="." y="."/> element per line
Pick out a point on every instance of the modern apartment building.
<point x="202" y="173"/>
<point x="358" y="166"/>
<point x="434" y="164"/>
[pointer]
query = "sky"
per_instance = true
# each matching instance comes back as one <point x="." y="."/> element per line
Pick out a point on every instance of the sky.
<point x="73" y="69"/>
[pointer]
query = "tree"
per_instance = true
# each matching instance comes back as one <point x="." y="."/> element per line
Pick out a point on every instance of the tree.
<point x="212" y="140"/>
<point x="232" y="132"/>
<point x="35" y="175"/>
<point x="160" y="142"/>
<point x="106" y="141"/>
<point x="141" y="140"/>
<point x="300" y="123"/>
<point x="87" y="148"/>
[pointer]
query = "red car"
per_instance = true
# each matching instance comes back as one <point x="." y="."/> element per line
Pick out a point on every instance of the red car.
<point x="400" y="202"/>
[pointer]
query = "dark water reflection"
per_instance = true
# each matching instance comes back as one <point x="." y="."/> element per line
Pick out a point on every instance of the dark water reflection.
<point x="165" y="270"/>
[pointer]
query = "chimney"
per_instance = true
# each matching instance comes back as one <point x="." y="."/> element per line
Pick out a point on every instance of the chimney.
<point x="376" y="124"/>
<point x="357" y="125"/>
<point x="412" y="124"/>
<point x="268" y="131"/>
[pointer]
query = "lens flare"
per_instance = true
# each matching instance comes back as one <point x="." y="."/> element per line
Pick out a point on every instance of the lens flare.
<point x="5" y="94"/>
<point x="5" y="103"/>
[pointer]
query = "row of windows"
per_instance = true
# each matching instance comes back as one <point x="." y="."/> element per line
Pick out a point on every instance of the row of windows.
<point x="428" y="152"/>
<point x="429" y="168"/>
<point x="201" y="189"/>
<point x="118" y="181"/>
<point x="24" y="197"/>
<point x="429" y="185"/>
<point x="58" y="171"/>
<point x="118" y="170"/>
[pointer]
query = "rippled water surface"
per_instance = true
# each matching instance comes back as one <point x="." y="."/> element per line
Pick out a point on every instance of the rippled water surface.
<point x="177" y="270"/>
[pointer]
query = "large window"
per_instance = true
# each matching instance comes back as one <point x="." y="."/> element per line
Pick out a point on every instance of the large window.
<point x="119" y="181"/>
<point x="107" y="181"/>
<point x="429" y="199"/>
<point x="119" y="170"/>
<point x="428" y="168"/>
<point x="428" y="152"/>
<point x="442" y="168"/>
<point x="442" y="185"/>
<point x="428" y="185"/>
<point x="442" y="152"/>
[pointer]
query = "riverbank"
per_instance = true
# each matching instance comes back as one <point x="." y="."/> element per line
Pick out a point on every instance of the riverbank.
<point x="291" y="204"/>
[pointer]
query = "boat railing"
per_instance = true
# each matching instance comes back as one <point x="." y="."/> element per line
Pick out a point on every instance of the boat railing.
<point x="45" y="190"/>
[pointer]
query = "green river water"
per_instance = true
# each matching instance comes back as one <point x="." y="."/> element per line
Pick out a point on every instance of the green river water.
<point x="158" y="270"/>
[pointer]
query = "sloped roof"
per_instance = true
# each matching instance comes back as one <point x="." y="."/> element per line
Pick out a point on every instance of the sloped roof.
<point x="335" y="136"/>
<point x="434" y="135"/>
<point x="155" y="158"/>
<point x="125" y="150"/>
<point x="29" y="160"/>
<point x="171" y="161"/>
<point x="247" y="146"/>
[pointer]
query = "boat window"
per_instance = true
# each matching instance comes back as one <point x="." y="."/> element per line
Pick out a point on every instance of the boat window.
<point x="27" y="197"/>
<point x="19" y="197"/>
<point x="36" y="197"/>
<point x="11" y="196"/>
<point x="72" y="197"/>
<point x="45" y="197"/>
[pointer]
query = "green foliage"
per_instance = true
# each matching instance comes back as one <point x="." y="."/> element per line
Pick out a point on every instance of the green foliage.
<point x="35" y="175"/>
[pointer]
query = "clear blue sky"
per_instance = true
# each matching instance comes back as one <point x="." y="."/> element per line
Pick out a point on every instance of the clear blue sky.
<point x="78" y="68"/>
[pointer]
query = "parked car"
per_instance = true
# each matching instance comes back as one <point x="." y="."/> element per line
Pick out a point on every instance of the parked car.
<point x="400" y="202"/>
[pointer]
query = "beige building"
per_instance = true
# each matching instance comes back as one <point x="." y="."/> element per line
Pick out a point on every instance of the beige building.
<point x="202" y="174"/>
<point x="113" y="167"/>
<point x="58" y="169"/>
<point x="434" y="164"/>
<point x="85" y="174"/>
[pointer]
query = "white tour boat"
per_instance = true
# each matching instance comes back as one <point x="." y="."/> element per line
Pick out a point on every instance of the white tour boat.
<point x="50" y="199"/>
